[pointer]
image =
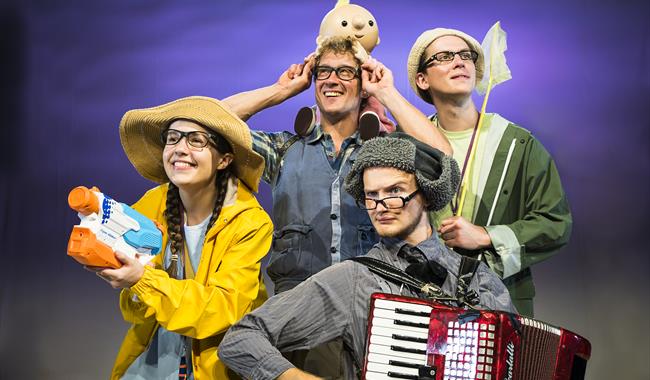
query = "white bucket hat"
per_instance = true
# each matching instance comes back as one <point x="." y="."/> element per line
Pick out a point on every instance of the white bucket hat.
<point x="425" y="39"/>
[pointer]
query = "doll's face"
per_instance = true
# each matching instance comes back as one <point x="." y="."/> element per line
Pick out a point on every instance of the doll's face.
<point x="353" y="21"/>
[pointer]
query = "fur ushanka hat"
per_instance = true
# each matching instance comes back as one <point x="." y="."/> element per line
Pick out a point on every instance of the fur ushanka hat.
<point x="436" y="174"/>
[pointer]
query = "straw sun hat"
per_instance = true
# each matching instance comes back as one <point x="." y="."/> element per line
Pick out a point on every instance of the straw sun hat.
<point x="425" y="39"/>
<point x="140" y="131"/>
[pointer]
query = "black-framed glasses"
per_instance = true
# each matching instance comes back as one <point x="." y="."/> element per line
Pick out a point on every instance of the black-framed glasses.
<point x="448" y="56"/>
<point x="388" y="202"/>
<point x="196" y="139"/>
<point x="346" y="73"/>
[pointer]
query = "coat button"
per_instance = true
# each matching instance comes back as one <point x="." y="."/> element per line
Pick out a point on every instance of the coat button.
<point x="333" y="249"/>
<point x="333" y="216"/>
<point x="505" y="191"/>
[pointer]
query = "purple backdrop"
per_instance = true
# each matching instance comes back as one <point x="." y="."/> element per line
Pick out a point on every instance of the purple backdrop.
<point x="71" y="69"/>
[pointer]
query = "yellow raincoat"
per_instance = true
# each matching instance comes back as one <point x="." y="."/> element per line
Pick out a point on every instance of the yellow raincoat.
<point x="227" y="285"/>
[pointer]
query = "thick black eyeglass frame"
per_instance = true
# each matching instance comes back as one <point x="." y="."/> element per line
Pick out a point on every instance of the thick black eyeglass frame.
<point x="405" y="200"/>
<point x="187" y="135"/>
<point x="473" y="56"/>
<point x="357" y="72"/>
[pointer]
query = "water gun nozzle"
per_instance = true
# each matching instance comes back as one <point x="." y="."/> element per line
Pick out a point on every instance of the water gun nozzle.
<point x="83" y="200"/>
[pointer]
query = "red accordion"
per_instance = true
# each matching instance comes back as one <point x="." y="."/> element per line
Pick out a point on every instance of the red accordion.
<point x="410" y="338"/>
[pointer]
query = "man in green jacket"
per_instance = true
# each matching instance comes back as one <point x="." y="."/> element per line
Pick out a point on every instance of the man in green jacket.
<point x="515" y="213"/>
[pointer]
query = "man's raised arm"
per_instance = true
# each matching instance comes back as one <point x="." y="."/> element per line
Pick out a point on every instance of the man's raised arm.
<point x="377" y="81"/>
<point x="296" y="79"/>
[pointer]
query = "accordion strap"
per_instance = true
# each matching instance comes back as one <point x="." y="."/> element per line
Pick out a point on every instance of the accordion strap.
<point x="397" y="275"/>
<point x="468" y="268"/>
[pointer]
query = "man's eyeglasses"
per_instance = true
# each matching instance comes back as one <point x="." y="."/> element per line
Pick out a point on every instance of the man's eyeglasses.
<point x="196" y="139"/>
<point x="448" y="56"/>
<point x="346" y="73"/>
<point x="388" y="202"/>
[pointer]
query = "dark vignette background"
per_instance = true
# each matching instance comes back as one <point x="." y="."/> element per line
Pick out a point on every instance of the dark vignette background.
<point x="70" y="69"/>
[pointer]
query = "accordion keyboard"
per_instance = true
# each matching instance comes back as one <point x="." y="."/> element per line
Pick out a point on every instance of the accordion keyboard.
<point x="398" y="341"/>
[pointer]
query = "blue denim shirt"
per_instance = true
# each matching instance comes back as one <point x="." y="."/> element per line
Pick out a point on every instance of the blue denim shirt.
<point x="317" y="223"/>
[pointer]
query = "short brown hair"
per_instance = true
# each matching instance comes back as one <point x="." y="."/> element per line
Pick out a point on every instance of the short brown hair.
<point x="336" y="45"/>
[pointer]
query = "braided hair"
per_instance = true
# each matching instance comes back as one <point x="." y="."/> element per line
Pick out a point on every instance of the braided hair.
<point x="174" y="206"/>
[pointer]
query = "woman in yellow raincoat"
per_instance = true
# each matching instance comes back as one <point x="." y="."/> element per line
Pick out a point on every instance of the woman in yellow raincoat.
<point x="216" y="236"/>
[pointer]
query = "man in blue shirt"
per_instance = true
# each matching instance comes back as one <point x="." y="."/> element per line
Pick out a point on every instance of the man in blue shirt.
<point x="317" y="223"/>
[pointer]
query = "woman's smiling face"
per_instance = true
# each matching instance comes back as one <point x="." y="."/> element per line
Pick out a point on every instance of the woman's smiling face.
<point x="188" y="166"/>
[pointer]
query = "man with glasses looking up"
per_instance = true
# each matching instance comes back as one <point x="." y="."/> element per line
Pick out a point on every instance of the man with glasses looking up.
<point x="515" y="212"/>
<point x="396" y="180"/>
<point x="316" y="223"/>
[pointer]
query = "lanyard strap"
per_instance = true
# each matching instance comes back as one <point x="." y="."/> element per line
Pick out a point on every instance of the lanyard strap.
<point x="455" y="200"/>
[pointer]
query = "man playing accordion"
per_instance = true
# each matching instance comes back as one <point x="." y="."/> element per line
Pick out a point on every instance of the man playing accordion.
<point x="397" y="179"/>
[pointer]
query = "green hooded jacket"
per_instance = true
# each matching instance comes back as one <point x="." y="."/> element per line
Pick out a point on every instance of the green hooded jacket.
<point x="530" y="220"/>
